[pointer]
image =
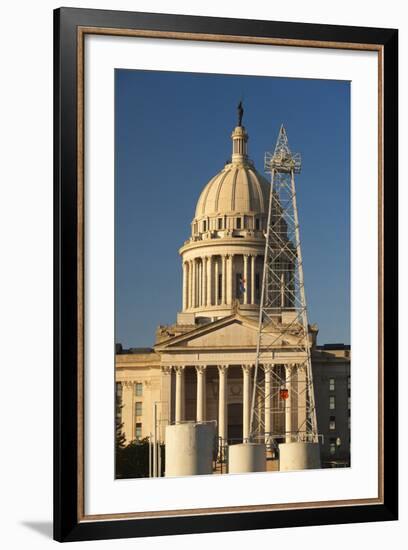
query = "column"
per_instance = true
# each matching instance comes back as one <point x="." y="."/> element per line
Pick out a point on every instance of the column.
<point x="216" y="275"/>
<point x="200" y="370"/>
<point x="200" y="283"/>
<point x="165" y="395"/>
<point x="282" y="284"/>
<point x="246" y="278"/>
<point x="183" y="394"/>
<point x="268" y="403"/>
<point x="190" y="284"/>
<point x="246" y="392"/>
<point x="253" y="279"/>
<point x="224" y="280"/>
<point x="179" y="393"/>
<point x="209" y="280"/>
<point x="301" y="404"/>
<point x="190" y="280"/>
<point x="291" y="285"/>
<point x="193" y="283"/>
<point x="204" y="285"/>
<point x="197" y="290"/>
<point x="198" y="266"/>
<point x="229" y="278"/>
<point x="185" y="286"/>
<point x="222" y="403"/>
<point x="288" y="404"/>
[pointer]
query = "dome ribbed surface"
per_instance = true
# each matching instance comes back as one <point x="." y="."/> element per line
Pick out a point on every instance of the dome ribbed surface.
<point x="237" y="188"/>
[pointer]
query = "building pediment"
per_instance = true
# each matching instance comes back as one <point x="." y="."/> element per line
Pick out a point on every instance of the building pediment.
<point x="235" y="331"/>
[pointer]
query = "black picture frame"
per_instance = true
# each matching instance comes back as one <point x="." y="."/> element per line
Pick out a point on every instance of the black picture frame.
<point x="67" y="523"/>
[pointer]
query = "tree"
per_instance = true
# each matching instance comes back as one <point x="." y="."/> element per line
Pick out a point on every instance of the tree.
<point x="120" y="437"/>
<point x="133" y="460"/>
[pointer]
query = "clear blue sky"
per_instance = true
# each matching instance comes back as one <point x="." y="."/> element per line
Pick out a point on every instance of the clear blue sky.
<point x="172" y="134"/>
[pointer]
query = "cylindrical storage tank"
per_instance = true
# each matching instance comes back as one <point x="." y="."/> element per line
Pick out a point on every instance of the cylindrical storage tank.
<point x="246" y="457"/>
<point x="299" y="456"/>
<point x="189" y="449"/>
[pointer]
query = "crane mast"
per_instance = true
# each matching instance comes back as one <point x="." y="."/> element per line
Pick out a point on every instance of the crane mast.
<point x="283" y="404"/>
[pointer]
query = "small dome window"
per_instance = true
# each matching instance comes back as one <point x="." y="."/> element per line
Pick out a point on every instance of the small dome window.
<point x="204" y="225"/>
<point x="257" y="224"/>
<point x="219" y="223"/>
<point x="239" y="223"/>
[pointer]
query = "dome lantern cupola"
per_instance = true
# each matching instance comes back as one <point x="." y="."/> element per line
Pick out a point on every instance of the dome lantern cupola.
<point x="239" y="145"/>
<point x="239" y="138"/>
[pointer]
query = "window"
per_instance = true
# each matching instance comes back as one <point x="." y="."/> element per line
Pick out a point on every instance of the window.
<point x="257" y="224"/>
<point x="239" y="223"/>
<point x="219" y="223"/>
<point x="332" y="447"/>
<point x="138" y="408"/>
<point x="118" y="403"/>
<point x="257" y="284"/>
<point x="118" y="411"/>
<point x="138" y="389"/>
<point x="118" y="390"/>
<point x="204" y="225"/>
<point x="332" y="384"/>
<point x="332" y="402"/>
<point x="138" y="432"/>
<point x="219" y="286"/>
<point x="238" y="285"/>
<point x="332" y="423"/>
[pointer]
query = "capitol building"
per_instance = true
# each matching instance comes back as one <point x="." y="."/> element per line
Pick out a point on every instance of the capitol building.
<point x="200" y="368"/>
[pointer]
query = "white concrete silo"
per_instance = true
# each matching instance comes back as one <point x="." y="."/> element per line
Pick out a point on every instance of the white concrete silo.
<point x="299" y="455"/>
<point x="189" y="449"/>
<point x="246" y="457"/>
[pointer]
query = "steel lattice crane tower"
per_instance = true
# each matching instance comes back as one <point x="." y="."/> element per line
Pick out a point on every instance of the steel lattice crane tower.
<point x="283" y="404"/>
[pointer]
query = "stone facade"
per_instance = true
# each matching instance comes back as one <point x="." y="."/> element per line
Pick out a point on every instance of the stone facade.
<point x="332" y="384"/>
<point x="198" y="389"/>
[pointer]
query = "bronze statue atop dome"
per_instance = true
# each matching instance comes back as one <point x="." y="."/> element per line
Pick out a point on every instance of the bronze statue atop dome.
<point x="240" y="109"/>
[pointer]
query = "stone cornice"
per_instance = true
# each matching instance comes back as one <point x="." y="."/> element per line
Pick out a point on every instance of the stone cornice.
<point x="141" y="365"/>
<point x="235" y="242"/>
<point x="126" y="358"/>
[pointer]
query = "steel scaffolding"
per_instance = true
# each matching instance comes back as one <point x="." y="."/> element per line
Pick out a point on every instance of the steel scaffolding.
<point x="283" y="405"/>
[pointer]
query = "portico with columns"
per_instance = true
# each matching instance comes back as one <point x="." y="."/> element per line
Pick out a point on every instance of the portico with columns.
<point x="212" y="370"/>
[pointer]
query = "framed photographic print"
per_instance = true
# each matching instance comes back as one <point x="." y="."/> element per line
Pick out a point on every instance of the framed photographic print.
<point x="225" y="274"/>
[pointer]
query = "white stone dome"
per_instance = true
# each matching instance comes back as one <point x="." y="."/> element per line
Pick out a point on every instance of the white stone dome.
<point x="234" y="200"/>
<point x="227" y="243"/>
<point x="237" y="189"/>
